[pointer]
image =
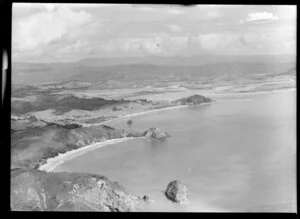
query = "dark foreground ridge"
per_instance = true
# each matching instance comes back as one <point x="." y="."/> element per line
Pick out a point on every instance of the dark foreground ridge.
<point x="34" y="190"/>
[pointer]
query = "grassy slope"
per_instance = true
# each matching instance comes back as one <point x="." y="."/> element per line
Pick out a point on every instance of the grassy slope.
<point x="61" y="105"/>
<point x="32" y="146"/>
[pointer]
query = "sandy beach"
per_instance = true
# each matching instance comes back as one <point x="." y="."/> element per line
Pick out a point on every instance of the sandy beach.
<point x="141" y="113"/>
<point x="135" y="114"/>
<point x="55" y="161"/>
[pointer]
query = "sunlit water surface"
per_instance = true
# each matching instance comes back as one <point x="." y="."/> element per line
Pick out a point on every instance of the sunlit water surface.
<point x="236" y="155"/>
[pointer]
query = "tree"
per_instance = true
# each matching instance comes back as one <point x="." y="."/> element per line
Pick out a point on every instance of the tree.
<point x="129" y="122"/>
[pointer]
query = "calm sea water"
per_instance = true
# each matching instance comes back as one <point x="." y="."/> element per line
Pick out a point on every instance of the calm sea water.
<point x="236" y="155"/>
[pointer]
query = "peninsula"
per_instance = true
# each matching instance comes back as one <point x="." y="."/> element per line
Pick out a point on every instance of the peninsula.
<point x="33" y="187"/>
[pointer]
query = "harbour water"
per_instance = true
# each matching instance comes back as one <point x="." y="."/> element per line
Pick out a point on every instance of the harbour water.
<point x="238" y="155"/>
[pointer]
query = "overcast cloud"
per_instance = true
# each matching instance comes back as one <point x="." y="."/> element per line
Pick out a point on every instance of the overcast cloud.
<point x="74" y="31"/>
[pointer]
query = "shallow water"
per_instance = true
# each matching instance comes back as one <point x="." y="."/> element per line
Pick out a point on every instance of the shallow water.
<point x="236" y="155"/>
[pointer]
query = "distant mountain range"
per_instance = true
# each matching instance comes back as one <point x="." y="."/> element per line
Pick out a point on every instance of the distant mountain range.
<point x="150" y="68"/>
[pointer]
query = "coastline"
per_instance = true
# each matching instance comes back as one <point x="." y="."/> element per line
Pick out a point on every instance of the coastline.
<point x="254" y="92"/>
<point x="184" y="106"/>
<point x="135" y="114"/>
<point x="143" y="113"/>
<point x="53" y="162"/>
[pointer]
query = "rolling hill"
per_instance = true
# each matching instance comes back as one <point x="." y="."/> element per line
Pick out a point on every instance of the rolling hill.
<point x="149" y="70"/>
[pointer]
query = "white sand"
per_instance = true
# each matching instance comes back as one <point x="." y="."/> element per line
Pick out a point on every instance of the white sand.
<point x="53" y="162"/>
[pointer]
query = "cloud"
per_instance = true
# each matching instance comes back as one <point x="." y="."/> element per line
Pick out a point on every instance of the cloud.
<point x="142" y="46"/>
<point x="50" y="7"/>
<point x="144" y="8"/>
<point x="175" y="11"/>
<point x="161" y="44"/>
<point x="78" y="46"/>
<point x="175" y="28"/>
<point x="259" y="42"/>
<point x="66" y="31"/>
<point x="46" y="26"/>
<point x="260" y="17"/>
<point x="287" y="12"/>
<point x="209" y="6"/>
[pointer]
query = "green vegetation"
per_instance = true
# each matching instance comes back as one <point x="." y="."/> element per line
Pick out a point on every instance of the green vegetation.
<point x="129" y="123"/>
<point x="115" y="108"/>
<point x="61" y="105"/>
<point x="194" y="100"/>
<point x="31" y="146"/>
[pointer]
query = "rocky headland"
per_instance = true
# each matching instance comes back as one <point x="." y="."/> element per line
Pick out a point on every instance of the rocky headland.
<point x="33" y="145"/>
<point x="34" y="190"/>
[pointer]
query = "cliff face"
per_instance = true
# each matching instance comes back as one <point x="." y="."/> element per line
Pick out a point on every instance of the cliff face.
<point x="34" y="190"/>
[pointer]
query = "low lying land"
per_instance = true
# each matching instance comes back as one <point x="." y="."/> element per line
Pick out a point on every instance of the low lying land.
<point x="94" y="102"/>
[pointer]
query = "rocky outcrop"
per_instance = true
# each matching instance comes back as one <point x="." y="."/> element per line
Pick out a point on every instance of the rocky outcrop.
<point x="34" y="190"/>
<point x="177" y="192"/>
<point x="155" y="133"/>
<point x="194" y="100"/>
<point x="149" y="133"/>
<point x="132" y="133"/>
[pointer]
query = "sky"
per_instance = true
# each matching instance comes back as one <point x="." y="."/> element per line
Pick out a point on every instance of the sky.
<point x="70" y="32"/>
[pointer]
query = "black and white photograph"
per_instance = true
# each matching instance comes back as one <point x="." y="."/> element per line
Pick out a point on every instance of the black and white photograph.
<point x="153" y="108"/>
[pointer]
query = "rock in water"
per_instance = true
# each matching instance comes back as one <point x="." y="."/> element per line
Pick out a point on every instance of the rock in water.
<point x="155" y="133"/>
<point x="177" y="192"/>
